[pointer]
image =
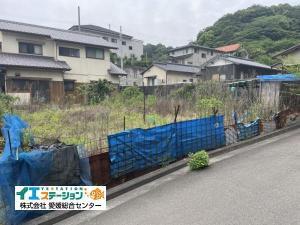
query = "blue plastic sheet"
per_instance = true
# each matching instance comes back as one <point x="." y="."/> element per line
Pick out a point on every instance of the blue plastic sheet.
<point x="29" y="169"/>
<point x="249" y="130"/>
<point x="138" y="149"/>
<point x="33" y="168"/>
<point x="278" y="77"/>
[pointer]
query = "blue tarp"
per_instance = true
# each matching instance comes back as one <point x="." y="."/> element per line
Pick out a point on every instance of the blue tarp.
<point x="138" y="149"/>
<point x="34" y="168"/>
<point x="279" y="77"/>
<point x="249" y="130"/>
<point x="29" y="169"/>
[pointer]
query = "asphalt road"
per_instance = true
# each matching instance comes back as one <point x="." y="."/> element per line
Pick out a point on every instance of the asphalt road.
<point x="259" y="185"/>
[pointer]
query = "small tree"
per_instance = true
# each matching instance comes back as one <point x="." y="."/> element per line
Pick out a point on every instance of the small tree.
<point x="97" y="91"/>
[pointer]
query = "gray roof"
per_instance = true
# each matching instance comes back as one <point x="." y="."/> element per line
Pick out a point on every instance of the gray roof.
<point x="287" y="51"/>
<point x="191" y="45"/>
<point x="98" y="30"/>
<point x="115" y="70"/>
<point x="247" y="62"/>
<point x="239" y="61"/>
<point x="20" y="60"/>
<point x="176" y="68"/>
<point x="56" y="34"/>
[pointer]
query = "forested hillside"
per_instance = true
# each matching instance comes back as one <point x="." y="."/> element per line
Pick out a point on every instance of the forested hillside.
<point x="261" y="30"/>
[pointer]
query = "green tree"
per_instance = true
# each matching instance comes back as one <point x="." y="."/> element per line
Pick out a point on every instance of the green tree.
<point x="261" y="30"/>
<point x="97" y="91"/>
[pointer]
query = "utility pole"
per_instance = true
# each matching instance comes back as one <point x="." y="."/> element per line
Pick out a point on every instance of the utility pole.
<point x="78" y="18"/>
<point x="121" y="47"/>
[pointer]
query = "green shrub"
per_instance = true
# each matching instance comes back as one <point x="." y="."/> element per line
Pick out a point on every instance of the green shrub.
<point x="198" y="160"/>
<point x="132" y="96"/>
<point x="207" y="105"/>
<point x="186" y="92"/>
<point x="6" y="102"/>
<point x="97" y="91"/>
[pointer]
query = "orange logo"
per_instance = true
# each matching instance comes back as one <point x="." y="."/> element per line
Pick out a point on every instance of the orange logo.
<point x="96" y="194"/>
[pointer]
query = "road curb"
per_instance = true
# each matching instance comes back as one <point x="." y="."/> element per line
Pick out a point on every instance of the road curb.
<point x="57" y="216"/>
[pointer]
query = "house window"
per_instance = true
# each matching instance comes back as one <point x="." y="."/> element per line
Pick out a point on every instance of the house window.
<point x="94" y="53"/>
<point x="20" y="85"/>
<point x="105" y="38"/>
<point x="203" y="55"/>
<point x="184" y="81"/>
<point x="113" y="40"/>
<point x="123" y="42"/>
<point x="30" y="48"/>
<point x="191" y="80"/>
<point x="71" y="52"/>
<point x="187" y="50"/>
<point x="130" y="47"/>
<point x="69" y="85"/>
<point x="191" y="63"/>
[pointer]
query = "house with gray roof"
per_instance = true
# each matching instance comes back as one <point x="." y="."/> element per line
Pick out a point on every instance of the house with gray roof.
<point x="125" y="45"/>
<point x="224" y="68"/>
<point x="192" y="54"/>
<point x="169" y="73"/>
<point x="43" y="64"/>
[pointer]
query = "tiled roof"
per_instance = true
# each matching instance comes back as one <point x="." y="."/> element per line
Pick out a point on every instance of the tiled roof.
<point x="19" y="60"/>
<point x="229" y="48"/>
<point x="176" y="68"/>
<point x="98" y="30"/>
<point x="56" y="34"/>
<point x="115" y="70"/>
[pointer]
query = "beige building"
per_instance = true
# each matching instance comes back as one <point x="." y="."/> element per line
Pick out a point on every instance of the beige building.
<point x="43" y="64"/>
<point x="169" y="73"/>
<point x="192" y="54"/>
<point x="290" y="57"/>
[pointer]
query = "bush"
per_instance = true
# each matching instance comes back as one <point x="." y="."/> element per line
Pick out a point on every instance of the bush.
<point x="6" y="102"/>
<point x="97" y="91"/>
<point x="198" y="160"/>
<point x="207" y="104"/>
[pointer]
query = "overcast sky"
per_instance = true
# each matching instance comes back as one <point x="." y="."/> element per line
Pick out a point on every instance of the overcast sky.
<point x="171" y="22"/>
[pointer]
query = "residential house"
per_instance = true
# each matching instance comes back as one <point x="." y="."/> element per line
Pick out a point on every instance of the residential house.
<point x="41" y="64"/>
<point x="125" y="45"/>
<point x="169" y="73"/>
<point x="224" y="67"/>
<point x="290" y="57"/>
<point x="134" y="76"/>
<point x="192" y="54"/>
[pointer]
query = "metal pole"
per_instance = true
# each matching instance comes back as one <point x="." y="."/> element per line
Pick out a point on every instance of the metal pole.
<point x="124" y="123"/>
<point x="144" y="115"/>
<point x="9" y="142"/>
<point x="121" y="47"/>
<point x="79" y="18"/>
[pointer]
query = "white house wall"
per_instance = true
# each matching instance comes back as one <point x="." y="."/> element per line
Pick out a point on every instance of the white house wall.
<point x="35" y="74"/>
<point x="83" y="69"/>
<point x="10" y="43"/>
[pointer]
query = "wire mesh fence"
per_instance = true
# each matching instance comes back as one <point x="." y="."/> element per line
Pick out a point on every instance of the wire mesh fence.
<point x="243" y="109"/>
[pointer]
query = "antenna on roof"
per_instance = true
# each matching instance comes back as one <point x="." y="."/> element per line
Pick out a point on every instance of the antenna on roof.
<point x="78" y="18"/>
<point x="109" y="26"/>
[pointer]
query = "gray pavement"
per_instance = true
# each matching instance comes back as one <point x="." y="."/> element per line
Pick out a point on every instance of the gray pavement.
<point x="258" y="184"/>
